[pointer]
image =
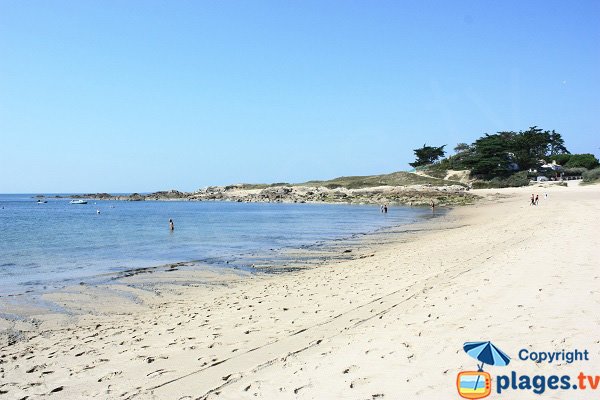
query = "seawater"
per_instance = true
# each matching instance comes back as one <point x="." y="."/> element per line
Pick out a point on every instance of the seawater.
<point x="55" y="243"/>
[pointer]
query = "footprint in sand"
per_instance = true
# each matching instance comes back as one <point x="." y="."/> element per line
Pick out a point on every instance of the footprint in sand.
<point x="350" y="369"/>
<point x="36" y="368"/>
<point x="359" y="382"/>
<point x="157" y="373"/>
<point x="30" y="385"/>
<point x="110" y="376"/>
<point x="57" y="389"/>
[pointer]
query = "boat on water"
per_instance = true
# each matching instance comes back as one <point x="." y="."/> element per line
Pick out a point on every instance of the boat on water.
<point x="42" y="201"/>
<point x="78" y="202"/>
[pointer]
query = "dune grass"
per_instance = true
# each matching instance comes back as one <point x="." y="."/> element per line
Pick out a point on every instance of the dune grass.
<point x="393" y="179"/>
<point x="399" y="178"/>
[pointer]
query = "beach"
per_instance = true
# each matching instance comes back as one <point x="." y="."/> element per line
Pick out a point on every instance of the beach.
<point x="389" y="323"/>
<point x="56" y="243"/>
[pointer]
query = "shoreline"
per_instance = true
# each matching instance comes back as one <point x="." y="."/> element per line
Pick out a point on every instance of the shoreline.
<point x="197" y="239"/>
<point x="343" y="330"/>
<point x="16" y="305"/>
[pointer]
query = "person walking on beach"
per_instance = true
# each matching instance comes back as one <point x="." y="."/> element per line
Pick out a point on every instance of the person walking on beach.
<point x="532" y="200"/>
<point x="537" y="198"/>
<point x="171" y="225"/>
<point x="545" y="196"/>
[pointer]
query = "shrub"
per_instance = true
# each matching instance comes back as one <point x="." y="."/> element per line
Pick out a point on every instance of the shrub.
<point x="548" y="173"/>
<point x="436" y="173"/>
<point x="515" y="180"/>
<point x="577" y="171"/>
<point x="591" y="176"/>
<point x="491" y="184"/>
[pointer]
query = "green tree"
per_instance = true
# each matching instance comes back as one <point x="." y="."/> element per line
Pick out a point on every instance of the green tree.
<point x="556" y="144"/>
<point x="588" y="161"/>
<point x="491" y="156"/>
<point x="529" y="147"/>
<point x="461" y="147"/>
<point x="561" y="159"/>
<point x="427" y="155"/>
<point x="504" y="153"/>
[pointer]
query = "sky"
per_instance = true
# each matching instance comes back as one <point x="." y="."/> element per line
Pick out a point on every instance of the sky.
<point x="126" y="96"/>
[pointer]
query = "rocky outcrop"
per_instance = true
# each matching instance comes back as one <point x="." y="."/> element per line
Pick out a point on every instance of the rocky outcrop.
<point x="97" y="196"/>
<point x="167" y="195"/>
<point x="409" y="195"/>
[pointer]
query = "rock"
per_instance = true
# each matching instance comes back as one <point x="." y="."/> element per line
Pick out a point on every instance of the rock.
<point x="412" y="194"/>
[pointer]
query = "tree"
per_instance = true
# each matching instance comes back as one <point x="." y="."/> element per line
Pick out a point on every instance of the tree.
<point x="588" y="161"/>
<point x="530" y="147"/>
<point x="427" y="155"/>
<point x="556" y="144"/>
<point x="504" y="153"/>
<point x="512" y="151"/>
<point x="461" y="147"/>
<point x="491" y="156"/>
<point x="561" y="159"/>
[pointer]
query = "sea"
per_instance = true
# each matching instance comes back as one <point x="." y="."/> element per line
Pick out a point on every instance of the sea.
<point x="45" y="245"/>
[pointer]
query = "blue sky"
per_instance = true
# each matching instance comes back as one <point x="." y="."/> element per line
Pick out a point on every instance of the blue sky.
<point x="124" y="96"/>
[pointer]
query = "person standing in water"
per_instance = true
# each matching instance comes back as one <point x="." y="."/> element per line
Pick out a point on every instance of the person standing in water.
<point x="385" y="208"/>
<point x="432" y="205"/>
<point x="171" y="225"/>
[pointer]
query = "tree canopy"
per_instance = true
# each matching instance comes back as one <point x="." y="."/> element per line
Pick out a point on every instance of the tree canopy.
<point x="588" y="161"/>
<point x="557" y="144"/>
<point x="503" y="154"/>
<point x="427" y="155"/>
<point x="461" y="147"/>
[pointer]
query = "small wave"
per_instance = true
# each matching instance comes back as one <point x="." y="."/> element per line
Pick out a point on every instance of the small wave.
<point x="8" y="265"/>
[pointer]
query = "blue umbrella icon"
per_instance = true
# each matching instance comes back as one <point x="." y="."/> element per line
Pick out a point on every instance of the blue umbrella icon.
<point x="487" y="353"/>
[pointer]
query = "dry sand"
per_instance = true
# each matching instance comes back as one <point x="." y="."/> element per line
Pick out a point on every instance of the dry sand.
<point x="389" y="325"/>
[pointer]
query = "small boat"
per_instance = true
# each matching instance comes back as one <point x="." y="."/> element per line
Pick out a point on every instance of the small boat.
<point x="78" y="202"/>
<point x="42" y="201"/>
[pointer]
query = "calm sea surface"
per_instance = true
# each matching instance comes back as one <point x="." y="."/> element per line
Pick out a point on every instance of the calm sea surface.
<point x="57" y="242"/>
